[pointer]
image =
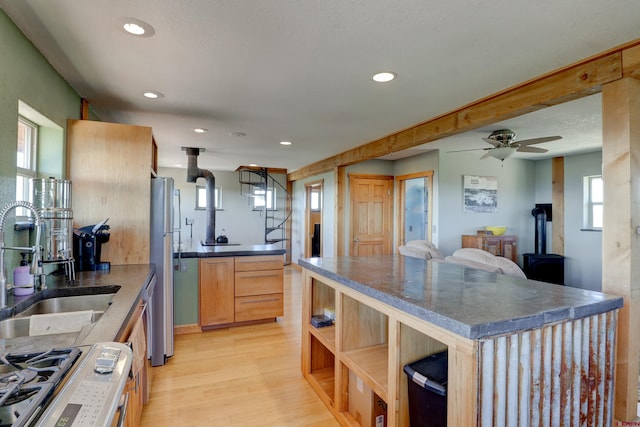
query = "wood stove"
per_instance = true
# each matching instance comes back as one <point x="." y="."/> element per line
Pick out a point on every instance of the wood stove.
<point x="541" y="265"/>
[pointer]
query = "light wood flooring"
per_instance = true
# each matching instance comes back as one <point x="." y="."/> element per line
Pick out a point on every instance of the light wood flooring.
<point x="245" y="376"/>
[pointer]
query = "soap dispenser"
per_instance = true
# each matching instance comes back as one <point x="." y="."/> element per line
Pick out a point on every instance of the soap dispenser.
<point x="22" y="279"/>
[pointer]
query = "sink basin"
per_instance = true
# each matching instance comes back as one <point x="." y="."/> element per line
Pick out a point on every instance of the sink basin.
<point x="97" y="302"/>
<point x="20" y="326"/>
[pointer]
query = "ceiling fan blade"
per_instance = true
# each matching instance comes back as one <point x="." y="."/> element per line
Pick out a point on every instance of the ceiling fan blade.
<point x="491" y="141"/>
<point x="469" y="149"/>
<point x="538" y="140"/>
<point x="526" y="149"/>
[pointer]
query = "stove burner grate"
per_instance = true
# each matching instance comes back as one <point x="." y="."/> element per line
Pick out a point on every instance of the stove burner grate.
<point x="27" y="381"/>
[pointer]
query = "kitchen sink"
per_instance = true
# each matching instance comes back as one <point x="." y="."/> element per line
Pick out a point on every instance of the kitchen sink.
<point x="56" y="315"/>
<point x="21" y="326"/>
<point x="96" y="302"/>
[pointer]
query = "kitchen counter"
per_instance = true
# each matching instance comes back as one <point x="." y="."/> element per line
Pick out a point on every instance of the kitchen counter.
<point x="129" y="280"/>
<point x="518" y="350"/>
<point x="231" y="249"/>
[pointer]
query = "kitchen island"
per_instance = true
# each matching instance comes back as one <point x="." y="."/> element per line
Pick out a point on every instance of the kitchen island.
<point x="520" y="352"/>
<point x="226" y="285"/>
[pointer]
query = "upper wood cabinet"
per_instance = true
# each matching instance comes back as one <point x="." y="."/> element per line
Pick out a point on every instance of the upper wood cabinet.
<point x="110" y="166"/>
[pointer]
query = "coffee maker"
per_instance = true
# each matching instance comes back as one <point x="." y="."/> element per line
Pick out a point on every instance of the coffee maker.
<point x="87" y="246"/>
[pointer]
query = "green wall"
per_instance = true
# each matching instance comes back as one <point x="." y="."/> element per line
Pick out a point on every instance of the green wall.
<point x="185" y="293"/>
<point x="25" y="75"/>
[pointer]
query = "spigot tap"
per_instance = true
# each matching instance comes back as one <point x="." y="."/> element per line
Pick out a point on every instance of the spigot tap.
<point x="36" y="263"/>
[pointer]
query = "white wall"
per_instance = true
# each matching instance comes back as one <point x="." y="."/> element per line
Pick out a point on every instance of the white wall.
<point x="583" y="249"/>
<point x="298" y="217"/>
<point x="240" y="223"/>
<point x="516" y="196"/>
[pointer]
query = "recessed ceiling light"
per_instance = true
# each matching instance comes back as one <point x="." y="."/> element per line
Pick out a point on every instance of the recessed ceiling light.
<point x="136" y="27"/>
<point x="152" y="95"/>
<point x="253" y="164"/>
<point x="237" y="134"/>
<point x="285" y="142"/>
<point x="200" y="130"/>
<point x="384" y="77"/>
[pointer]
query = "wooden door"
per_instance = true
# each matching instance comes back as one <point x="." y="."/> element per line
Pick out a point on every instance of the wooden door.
<point x="371" y="205"/>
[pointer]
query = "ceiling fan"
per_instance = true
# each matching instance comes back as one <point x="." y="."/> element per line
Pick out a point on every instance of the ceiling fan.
<point x="504" y="144"/>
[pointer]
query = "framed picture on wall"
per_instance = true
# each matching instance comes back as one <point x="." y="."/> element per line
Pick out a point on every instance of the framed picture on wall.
<point x="480" y="194"/>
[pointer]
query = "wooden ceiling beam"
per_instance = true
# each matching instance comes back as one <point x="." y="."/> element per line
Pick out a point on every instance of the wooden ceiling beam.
<point x="566" y="84"/>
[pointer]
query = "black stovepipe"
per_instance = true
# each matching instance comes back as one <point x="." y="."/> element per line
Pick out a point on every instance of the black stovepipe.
<point x="193" y="173"/>
<point x="541" y="230"/>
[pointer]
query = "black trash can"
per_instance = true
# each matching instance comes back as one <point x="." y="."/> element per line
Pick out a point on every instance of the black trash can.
<point x="427" y="381"/>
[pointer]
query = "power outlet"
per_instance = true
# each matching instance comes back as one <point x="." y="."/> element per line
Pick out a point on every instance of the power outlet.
<point x="183" y="266"/>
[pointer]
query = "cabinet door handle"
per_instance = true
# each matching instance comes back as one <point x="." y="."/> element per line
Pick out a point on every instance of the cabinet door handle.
<point x="260" y="300"/>
<point x="261" y="275"/>
<point x="124" y="404"/>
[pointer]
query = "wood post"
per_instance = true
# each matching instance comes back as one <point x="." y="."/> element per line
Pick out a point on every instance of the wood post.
<point x="621" y="231"/>
<point x="557" y="203"/>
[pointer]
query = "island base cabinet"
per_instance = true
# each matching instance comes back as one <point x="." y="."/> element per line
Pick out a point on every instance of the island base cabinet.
<point x="356" y="365"/>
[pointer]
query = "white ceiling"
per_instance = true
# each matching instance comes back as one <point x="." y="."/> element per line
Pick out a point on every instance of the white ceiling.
<point x="300" y="70"/>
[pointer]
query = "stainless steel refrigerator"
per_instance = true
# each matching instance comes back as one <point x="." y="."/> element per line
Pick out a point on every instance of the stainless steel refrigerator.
<point x="162" y="237"/>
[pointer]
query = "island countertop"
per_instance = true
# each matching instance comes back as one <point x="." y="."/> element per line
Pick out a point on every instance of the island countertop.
<point x="471" y="303"/>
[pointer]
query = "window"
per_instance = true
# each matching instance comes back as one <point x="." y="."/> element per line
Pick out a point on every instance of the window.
<point x="315" y="200"/>
<point x="26" y="161"/>
<point x="201" y="197"/>
<point x="259" y="199"/>
<point x="593" y="202"/>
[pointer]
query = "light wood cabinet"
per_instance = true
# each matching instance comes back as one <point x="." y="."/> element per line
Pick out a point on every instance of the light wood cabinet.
<point x="238" y="290"/>
<point x="216" y="291"/>
<point x="504" y="246"/>
<point x="136" y="384"/>
<point x="110" y="167"/>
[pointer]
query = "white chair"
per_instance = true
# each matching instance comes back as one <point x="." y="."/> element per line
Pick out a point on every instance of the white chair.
<point x="483" y="260"/>
<point x="420" y="249"/>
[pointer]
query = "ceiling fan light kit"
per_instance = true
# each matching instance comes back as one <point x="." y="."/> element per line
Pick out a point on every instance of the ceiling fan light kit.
<point x="501" y="153"/>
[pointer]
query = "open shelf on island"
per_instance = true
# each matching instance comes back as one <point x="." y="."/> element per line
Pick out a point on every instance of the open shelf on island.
<point x="326" y="335"/>
<point x="322" y="369"/>
<point x="370" y="364"/>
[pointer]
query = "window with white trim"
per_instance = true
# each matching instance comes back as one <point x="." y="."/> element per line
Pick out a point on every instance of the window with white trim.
<point x="593" y="202"/>
<point x="26" y="161"/>
<point x="259" y="199"/>
<point x="201" y="197"/>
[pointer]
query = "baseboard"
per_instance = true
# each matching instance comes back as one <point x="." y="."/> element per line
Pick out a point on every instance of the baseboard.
<point x="186" y="329"/>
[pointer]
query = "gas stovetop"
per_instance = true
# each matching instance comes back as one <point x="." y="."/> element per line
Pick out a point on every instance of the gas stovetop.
<point x="27" y="381"/>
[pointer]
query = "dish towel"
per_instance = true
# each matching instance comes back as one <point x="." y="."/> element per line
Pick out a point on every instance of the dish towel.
<point x="59" y="323"/>
<point x="139" y="347"/>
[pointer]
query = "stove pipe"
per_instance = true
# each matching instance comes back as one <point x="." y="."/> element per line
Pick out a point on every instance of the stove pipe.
<point x="541" y="229"/>
<point x="193" y="173"/>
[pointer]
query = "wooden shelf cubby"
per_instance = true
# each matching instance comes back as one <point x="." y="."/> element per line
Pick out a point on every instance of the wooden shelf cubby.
<point x="368" y="343"/>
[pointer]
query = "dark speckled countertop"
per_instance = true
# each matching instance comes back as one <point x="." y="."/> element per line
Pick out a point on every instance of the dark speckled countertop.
<point x="471" y="303"/>
<point x="193" y="249"/>
<point x="129" y="282"/>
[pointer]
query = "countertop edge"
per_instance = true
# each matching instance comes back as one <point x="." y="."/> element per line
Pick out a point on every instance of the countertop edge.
<point x="480" y="330"/>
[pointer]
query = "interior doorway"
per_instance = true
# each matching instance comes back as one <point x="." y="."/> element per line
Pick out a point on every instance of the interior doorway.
<point x="416" y="200"/>
<point x="313" y="226"/>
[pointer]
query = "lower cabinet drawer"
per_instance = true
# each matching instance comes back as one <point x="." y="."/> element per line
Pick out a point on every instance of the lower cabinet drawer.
<point x="258" y="307"/>
<point x="258" y="282"/>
